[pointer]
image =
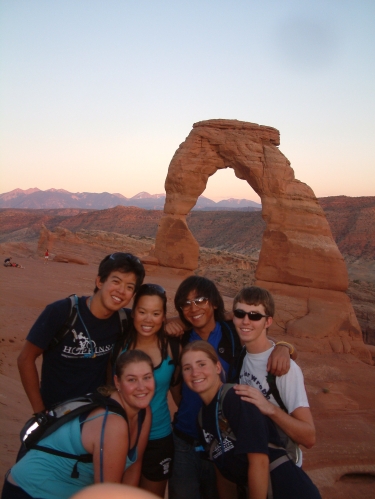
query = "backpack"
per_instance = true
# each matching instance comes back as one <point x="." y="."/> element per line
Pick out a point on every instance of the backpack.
<point x="291" y="447"/>
<point x="221" y="423"/>
<point x="226" y="432"/>
<point x="42" y="424"/>
<point x="71" y="319"/>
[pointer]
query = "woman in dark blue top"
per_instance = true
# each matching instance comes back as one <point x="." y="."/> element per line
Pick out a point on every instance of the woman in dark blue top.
<point x="243" y="444"/>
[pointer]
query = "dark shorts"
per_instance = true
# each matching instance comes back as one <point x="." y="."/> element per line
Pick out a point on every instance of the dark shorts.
<point x="11" y="491"/>
<point x="158" y="459"/>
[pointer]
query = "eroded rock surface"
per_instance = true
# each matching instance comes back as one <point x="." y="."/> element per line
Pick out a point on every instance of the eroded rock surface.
<point x="299" y="257"/>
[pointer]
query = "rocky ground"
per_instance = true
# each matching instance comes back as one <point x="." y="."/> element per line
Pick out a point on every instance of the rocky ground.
<point x="340" y="387"/>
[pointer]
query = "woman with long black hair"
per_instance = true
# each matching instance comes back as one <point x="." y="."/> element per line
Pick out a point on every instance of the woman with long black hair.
<point x="149" y="315"/>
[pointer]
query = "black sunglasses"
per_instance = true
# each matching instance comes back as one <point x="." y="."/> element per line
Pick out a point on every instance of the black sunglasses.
<point x="155" y="287"/>
<point x="198" y="302"/>
<point x="127" y="256"/>
<point x="253" y="316"/>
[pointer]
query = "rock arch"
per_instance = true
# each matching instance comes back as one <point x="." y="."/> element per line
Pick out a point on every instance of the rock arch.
<point x="299" y="257"/>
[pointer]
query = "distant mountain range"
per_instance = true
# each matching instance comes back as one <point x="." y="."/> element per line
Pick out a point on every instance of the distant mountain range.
<point x="59" y="198"/>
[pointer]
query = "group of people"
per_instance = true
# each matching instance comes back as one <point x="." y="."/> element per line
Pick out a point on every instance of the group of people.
<point x="225" y="440"/>
<point x="9" y="263"/>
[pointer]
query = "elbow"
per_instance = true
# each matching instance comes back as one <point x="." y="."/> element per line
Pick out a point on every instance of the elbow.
<point x="310" y="440"/>
<point x="20" y="361"/>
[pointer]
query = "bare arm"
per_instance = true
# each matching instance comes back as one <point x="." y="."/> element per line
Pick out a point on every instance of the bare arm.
<point x="225" y="488"/>
<point x="174" y="326"/>
<point x="279" y="360"/>
<point x="257" y="475"/>
<point x="298" y="425"/>
<point x="29" y="374"/>
<point x="133" y="474"/>
<point x="115" y="446"/>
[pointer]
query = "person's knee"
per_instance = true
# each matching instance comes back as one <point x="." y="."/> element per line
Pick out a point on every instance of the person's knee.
<point x="114" y="491"/>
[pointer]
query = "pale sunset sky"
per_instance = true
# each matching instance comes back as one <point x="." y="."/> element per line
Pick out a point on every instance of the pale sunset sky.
<point x="96" y="95"/>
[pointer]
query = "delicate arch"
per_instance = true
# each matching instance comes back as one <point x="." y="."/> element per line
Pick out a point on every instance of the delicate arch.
<point x="297" y="247"/>
<point x="299" y="261"/>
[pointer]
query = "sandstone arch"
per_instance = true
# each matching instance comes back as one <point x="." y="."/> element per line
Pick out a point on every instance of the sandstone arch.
<point x="299" y="258"/>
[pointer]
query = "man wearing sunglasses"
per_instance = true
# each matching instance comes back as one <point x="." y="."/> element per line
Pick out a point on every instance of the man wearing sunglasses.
<point x="287" y="406"/>
<point x="201" y="309"/>
<point x="76" y="355"/>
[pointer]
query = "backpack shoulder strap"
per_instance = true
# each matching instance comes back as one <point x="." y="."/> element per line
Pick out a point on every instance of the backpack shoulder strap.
<point x="88" y="403"/>
<point x="68" y="324"/>
<point x="220" y="412"/>
<point x="271" y="380"/>
<point x="175" y="345"/>
<point x="224" y="391"/>
<point x="67" y="411"/>
<point x="124" y="318"/>
<point x="185" y="337"/>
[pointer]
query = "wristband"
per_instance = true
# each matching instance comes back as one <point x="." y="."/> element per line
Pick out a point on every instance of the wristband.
<point x="286" y="344"/>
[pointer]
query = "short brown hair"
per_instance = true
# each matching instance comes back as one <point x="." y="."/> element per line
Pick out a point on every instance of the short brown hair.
<point x="253" y="295"/>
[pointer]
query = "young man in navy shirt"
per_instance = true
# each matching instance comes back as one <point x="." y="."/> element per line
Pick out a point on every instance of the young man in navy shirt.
<point x="78" y="363"/>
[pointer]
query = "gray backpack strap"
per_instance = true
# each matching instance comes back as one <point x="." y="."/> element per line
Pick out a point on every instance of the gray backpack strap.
<point x="277" y="462"/>
<point x="68" y="324"/>
<point x="123" y="319"/>
<point x="224" y="391"/>
<point x="120" y="341"/>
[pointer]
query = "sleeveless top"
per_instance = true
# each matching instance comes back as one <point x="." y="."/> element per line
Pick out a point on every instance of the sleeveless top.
<point x="49" y="476"/>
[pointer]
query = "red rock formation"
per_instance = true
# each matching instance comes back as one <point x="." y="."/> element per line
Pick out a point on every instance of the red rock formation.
<point x="353" y="224"/>
<point x="69" y="259"/>
<point x="298" y="250"/>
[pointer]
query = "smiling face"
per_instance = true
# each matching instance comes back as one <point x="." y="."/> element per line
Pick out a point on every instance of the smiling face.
<point x="136" y="385"/>
<point x="115" y="292"/>
<point x="252" y="333"/>
<point x="201" y="374"/>
<point x="148" y="315"/>
<point x="200" y="316"/>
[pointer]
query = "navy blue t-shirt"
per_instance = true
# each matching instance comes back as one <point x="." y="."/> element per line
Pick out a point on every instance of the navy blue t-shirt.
<point x="66" y="373"/>
<point x="250" y="428"/>
<point x="253" y="431"/>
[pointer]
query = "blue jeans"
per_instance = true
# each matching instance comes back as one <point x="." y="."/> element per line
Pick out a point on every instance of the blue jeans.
<point x="192" y="476"/>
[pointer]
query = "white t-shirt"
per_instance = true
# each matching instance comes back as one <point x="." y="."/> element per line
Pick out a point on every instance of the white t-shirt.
<point x="291" y="386"/>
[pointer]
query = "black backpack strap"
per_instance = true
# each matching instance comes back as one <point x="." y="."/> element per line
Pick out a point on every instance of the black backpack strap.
<point x="175" y="345"/>
<point x="236" y="366"/>
<point x="271" y="380"/>
<point x="68" y="324"/>
<point x="83" y="458"/>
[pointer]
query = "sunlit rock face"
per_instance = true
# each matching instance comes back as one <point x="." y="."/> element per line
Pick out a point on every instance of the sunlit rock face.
<point x="298" y="249"/>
